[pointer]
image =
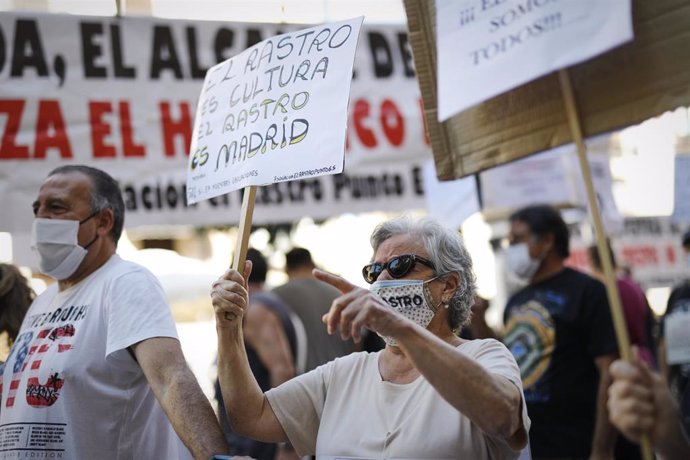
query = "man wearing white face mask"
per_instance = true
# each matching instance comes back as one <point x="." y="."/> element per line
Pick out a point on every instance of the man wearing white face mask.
<point x="97" y="370"/>
<point x="428" y="395"/>
<point x="560" y="331"/>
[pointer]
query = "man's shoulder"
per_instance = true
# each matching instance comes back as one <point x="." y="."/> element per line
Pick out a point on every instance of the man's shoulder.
<point x="118" y="266"/>
<point x="567" y="280"/>
<point x="49" y="292"/>
<point x="269" y="300"/>
<point x="574" y="274"/>
<point x="572" y="279"/>
<point x="299" y="285"/>
<point x="118" y="272"/>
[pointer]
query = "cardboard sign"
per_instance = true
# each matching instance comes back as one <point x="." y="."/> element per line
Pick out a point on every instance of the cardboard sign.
<point x="625" y="86"/>
<point x="276" y="112"/>
<point x="487" y="47"/>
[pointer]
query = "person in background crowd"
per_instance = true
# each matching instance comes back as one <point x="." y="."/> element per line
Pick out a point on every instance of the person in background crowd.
<point x="640" y="323"/>
<point x="97" y="371"/>
<point x="639" y="317"/>
<point x="428" y="394"/>
<point x="270" y="343"/>
<point x="559" y="329"/>
<point x="478" y="328"/>
<point x="310" y="299"/>
<point x="640" y="404"/>
<point x="626" y="272"/>
<point x="674" y="361"/>
<point x="15" y="297"/>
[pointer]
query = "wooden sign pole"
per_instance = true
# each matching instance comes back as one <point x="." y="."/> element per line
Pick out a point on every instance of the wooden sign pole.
<point x="245" y="229"/>
<point x="604" y="254"/>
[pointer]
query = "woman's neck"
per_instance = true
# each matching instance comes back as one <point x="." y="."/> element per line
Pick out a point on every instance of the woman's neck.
<point x="394" y="366"/>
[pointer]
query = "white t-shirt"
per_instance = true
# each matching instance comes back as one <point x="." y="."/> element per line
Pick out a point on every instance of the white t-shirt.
<point x="71" y="389"/>
<point x="344" y="410"/>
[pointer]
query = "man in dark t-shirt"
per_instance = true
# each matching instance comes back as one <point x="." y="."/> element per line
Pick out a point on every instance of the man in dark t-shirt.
<point x="560" y="331"/>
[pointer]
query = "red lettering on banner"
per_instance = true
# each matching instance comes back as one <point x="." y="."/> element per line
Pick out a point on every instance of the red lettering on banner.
<point x="129" y="148"/>
<point x="50" y="120"/>
<point x="670" y="254"/>
<point x="364" y="134"/>
<point x="100" y="130"/>
<point x="8" y="149"/>
<point x="640" y="256"/>
<point x="179" y="127"/>
<point x="392" y="122"/>
<point x="366" y="122"/>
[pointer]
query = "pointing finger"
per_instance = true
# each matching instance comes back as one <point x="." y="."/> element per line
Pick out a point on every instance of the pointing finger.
<point x="336" y="281"/>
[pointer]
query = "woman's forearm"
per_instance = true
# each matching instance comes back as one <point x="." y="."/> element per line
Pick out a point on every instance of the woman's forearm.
<point x="491" y="401"/>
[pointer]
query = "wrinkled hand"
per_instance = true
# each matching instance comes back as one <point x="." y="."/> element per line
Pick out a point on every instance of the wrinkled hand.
<point x="639" y="401"/>
<point x="230" y="295"/>
<point x="357" y="308"/>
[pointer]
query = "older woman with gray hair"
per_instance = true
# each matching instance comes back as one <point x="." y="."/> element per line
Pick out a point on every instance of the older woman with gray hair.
<point x="428" y="395"/>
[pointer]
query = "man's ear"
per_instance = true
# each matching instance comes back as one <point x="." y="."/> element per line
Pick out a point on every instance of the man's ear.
<point x="106" y="220"/>
<point x="547" y="241"/>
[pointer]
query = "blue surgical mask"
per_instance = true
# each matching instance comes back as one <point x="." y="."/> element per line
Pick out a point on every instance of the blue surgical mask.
<point x="410" y="298"/>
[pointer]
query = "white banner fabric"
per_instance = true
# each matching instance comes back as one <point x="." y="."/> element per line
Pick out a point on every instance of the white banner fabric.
<point x="120" y="94"/>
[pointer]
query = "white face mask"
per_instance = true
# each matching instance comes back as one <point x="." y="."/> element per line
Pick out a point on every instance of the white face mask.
<point x="519" y="261"/>
<point x="55" y="242"/>
<point x="410" y="298"/>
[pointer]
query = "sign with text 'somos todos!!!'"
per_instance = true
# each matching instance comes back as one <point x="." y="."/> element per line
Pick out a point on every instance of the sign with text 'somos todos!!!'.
<point x="487" y="47"/>
<point x="275" y="112"/>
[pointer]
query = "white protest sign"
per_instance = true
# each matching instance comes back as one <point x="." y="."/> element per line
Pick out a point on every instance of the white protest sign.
<point x="676" y="327"/>
<point x="602" y="181"/>
<point x="542" y="178"/>
<point x="649" y="246"/>
<point x="450" y="202"/>
<point x="681" y="194"/>
<point x="553" y="177"/>
<point x="275" y="112"/>
<point x="486" y="47"/>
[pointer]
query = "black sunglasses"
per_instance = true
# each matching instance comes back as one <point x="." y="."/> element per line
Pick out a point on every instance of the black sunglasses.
<point x="397" y="267"/>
